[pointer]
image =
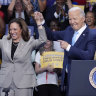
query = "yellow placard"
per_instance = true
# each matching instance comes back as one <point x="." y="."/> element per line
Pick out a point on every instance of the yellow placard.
<point x="80" y="6"/>
<point x="55" y="59"/>
<point x="95" y="56"/>
<point x="0" y="61"/>
<point x="91" y="0"/>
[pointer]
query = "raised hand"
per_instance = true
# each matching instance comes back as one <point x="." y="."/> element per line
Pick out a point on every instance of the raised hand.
<point x="38" y="17"/>
<point x="29" y="6"/>
<point x="26" y="2"/>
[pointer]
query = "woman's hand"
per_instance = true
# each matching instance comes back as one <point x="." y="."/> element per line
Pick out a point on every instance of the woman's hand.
<point x="49" y="68"/>
<point x="26" y="2"/>
<point x="28" y="6"/>
<point x="38" y="18"/>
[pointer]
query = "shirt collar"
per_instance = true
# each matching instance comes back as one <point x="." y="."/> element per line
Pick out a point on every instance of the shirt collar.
<point x="82" y="29"/>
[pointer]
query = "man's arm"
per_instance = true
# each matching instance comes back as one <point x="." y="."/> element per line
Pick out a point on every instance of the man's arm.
<point x="51" y="35"/>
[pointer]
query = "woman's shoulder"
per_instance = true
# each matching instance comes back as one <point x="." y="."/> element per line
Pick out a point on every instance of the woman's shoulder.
<point x="38" y="53"/>
<point x="32" y="38"/>
<point x="5" y="37"/>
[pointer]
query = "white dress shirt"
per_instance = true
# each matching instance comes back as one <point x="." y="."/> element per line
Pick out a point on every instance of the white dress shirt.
<point x="58" y="15"/>
<point x="80" y="31"/>
<point x="22" y="15"/>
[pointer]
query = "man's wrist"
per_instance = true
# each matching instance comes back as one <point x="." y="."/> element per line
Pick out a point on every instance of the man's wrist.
<point x="68" y="47"/>
<point x="39" y="25"/>
<point x="42" y="23"/>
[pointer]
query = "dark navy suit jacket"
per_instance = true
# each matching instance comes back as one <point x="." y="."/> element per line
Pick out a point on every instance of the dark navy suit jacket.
<point x="49" y="15"/>
<point x="83" y="49"/>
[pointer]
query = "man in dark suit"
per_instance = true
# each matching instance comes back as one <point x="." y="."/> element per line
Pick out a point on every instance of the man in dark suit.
<point x="58" y="11"/>
<point x="76" y="40"/>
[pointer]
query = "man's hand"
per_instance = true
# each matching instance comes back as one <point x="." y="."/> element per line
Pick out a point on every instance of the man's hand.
<point x="63" y="44"/>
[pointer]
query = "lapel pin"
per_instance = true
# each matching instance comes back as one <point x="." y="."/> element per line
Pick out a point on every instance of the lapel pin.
<point x="83" y="34"/>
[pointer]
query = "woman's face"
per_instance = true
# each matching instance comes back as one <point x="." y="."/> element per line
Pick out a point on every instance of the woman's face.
<point x="15" y="32"/>
<point x="90" y="20"/>
<point x="18" y="6"/>
<point x="54" y="26"/>
<point x="48" y="44"/>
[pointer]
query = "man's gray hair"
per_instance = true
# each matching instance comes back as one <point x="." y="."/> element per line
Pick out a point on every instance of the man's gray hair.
<point x="77" y="8"/>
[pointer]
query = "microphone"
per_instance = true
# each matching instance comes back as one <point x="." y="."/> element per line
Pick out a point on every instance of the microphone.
<point x="6" y="90"/>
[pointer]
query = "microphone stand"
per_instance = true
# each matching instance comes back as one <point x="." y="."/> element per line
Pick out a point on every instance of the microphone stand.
<point x="6" y="90"/>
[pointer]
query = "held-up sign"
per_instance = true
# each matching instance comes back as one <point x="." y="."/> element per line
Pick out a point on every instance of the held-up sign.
<point x="55" y="59"/>
<point x="91" y="0"/>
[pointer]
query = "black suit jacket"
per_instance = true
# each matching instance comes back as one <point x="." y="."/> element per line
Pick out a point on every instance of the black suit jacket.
<point x="49" y="16"/>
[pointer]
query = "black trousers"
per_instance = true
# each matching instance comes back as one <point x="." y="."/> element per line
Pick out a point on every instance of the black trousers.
<point x="48" y="90"/>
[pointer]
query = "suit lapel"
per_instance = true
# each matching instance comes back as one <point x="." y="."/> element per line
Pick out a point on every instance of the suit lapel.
<point x="8" y="47"/>
<point x="82" y="36"/>
<point x="18" y="50"/>
<point x="19" y="47"/>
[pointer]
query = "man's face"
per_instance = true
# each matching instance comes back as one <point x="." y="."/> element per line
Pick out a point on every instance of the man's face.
<point x="76" y="20"/>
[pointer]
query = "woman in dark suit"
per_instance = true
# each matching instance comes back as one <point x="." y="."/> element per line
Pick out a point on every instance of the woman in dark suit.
<point x="17" y="73"/>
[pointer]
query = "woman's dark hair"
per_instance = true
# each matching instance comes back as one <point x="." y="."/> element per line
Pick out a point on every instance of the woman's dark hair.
<point x="42" y="49"/>
<point x="2" y="28"/>
<point x="22" y="24"/>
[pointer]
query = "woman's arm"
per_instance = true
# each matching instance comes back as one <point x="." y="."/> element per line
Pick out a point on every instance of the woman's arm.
<point x="11" y="8"/>
<point x="38" y="68"/>
<point x="41" y="30"/>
